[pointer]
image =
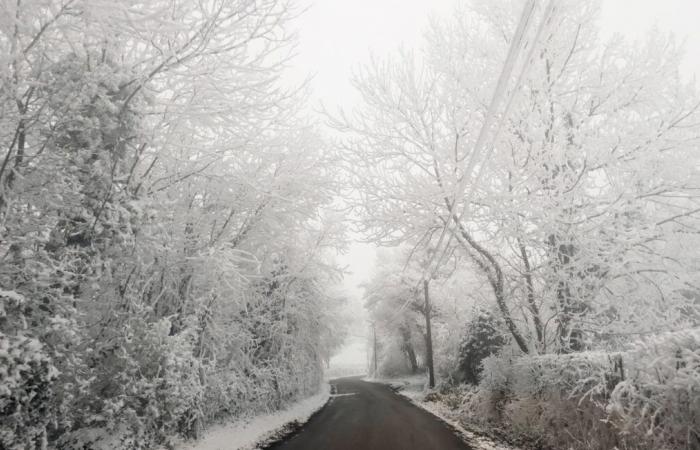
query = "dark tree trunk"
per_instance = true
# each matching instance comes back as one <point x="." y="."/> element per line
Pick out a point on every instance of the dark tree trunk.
<point x="492" y="269"/>
<point x="532" y="304"/>
<point x="570" y="337"/>
<point x="374" y="336"/>
<point x="428" y="336"/>
<point x="486" y="262"/>
<point x="408" y="349"/>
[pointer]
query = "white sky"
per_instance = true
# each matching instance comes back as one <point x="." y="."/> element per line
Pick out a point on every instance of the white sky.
<point x="338" y="35"/>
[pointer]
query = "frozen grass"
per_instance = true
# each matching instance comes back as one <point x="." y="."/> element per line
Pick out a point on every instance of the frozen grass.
<point x="260" y="430"/>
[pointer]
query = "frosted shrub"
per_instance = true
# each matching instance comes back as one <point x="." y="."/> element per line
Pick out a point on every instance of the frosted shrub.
<point x="496" y="386"/>
<point x="660" y="397"/>
<point x="146" y="389"/>
<point x="26" y="376"/>
<point x="562" y="397"/>
<point x="482" y="339"/>
<point x="577" y="375"/>
<point x="647" y="397"/>
<point x="175" y="404"/>
<point x="497" y="372"/>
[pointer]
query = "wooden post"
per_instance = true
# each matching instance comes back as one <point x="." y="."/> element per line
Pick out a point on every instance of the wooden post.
<point x="428" y="336"/>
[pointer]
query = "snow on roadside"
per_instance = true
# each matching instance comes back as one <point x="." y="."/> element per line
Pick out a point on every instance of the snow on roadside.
<point x="441" y="411"/>
<point x="412" y="383"/>
<point x="260" y="429"/>
<point x="413" y="388"/>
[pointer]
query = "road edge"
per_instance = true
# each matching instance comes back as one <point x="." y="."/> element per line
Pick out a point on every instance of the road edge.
<point x="292" y="427"/>
<point x="477" y="440"/>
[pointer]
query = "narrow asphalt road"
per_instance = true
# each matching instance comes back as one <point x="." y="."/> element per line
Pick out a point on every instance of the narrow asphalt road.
<point x="370" y="416"/>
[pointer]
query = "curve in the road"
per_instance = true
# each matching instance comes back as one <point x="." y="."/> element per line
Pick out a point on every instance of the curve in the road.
<point x="370" y="416"/>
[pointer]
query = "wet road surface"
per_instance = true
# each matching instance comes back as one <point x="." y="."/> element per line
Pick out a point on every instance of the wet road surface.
<point x="370" y="416"/>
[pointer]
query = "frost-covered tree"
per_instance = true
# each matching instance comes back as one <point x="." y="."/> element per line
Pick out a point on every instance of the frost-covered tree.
<point x="165" y="232"/>
<point x="393" y="298"/>
<point x="583" y="183"/>
<point x="409" y="320"/>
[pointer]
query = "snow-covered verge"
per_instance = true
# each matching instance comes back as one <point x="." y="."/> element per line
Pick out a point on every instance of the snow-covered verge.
<point x="259" y="431"/>
<point x="646" y="397"/>
<point x="414" y="388"/>
<point x="402" y="384"/>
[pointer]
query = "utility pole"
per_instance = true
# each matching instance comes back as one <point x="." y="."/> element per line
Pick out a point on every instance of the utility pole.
<point x="428" y="336"/>
<point x="374" y="336"/>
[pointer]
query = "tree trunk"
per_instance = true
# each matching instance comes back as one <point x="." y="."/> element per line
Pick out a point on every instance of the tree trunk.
<point x="412" y="360"/>
<point x="486" y="262"/>
<point x="428" y="336"/>
<point x="534" y="309"/>
<point x="408" y="349"/>
<point x="374" y="335"/>
<point x="570" y="336"/>
<point x="492" y="269"/>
